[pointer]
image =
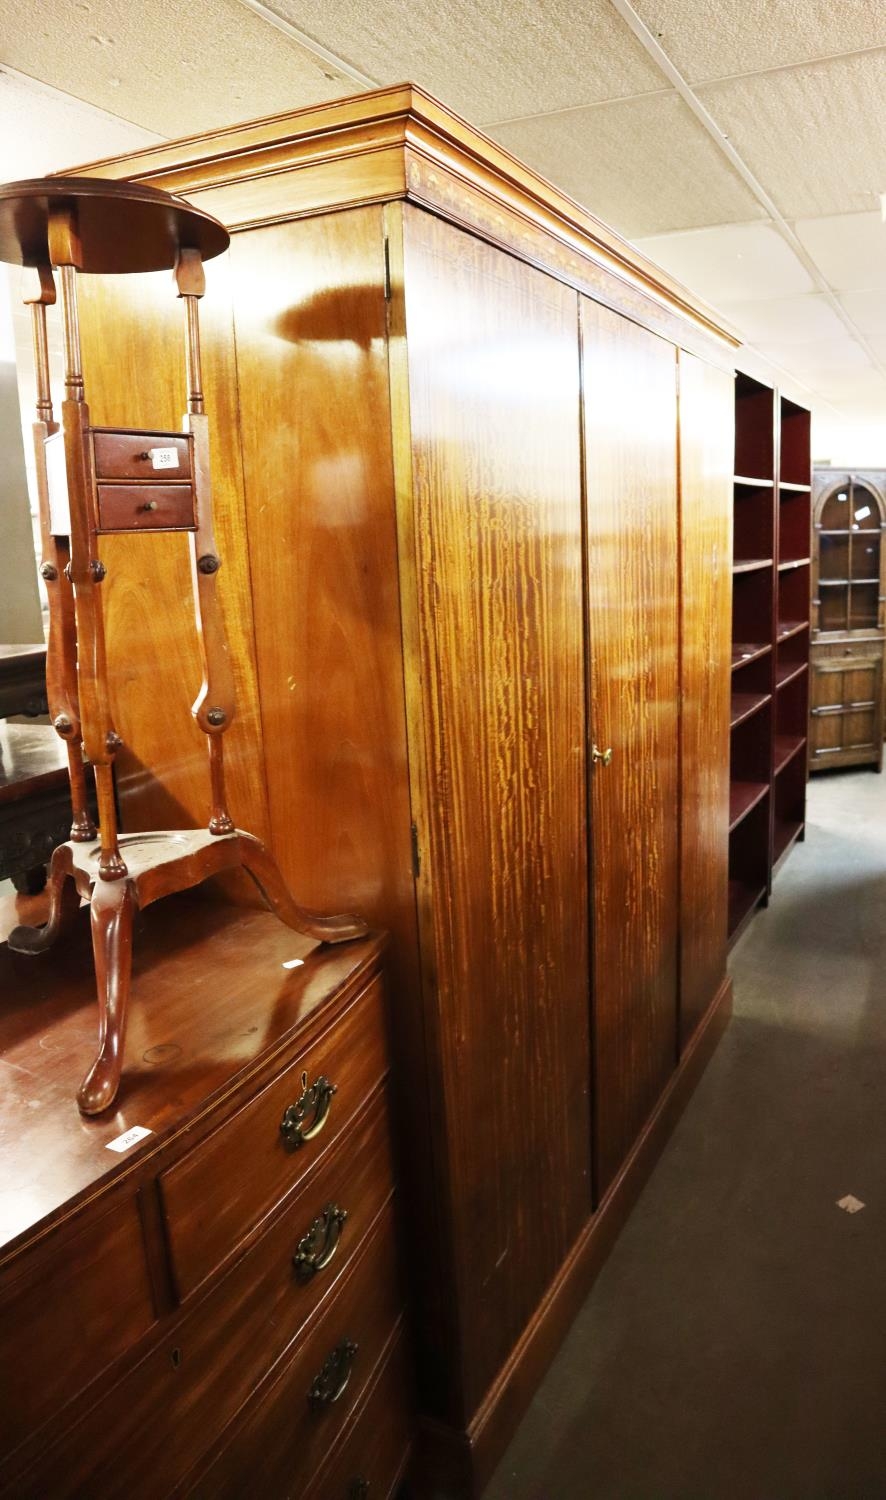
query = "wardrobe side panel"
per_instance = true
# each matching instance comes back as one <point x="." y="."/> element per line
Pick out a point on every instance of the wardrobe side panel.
<point x="310" y="319"/>
<point x="630" y="414"/>
<point x="134" y="365"/>
<point x="494" y="397"/>
<point x="707" y="438"/>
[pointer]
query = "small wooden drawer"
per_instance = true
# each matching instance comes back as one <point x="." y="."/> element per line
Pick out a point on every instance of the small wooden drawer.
<point x="213" y="1197"/>
<point x="141" y="455"/>
<point x="374" y="1450"/>
<point x="298" y="1420"/>
<point x="145" y="507"/>
<point x="80" y="1303"/>
<point x="193" y="1382"/>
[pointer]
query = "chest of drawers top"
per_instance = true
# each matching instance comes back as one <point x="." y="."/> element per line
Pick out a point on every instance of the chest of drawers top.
<point x="217" y="1011"/>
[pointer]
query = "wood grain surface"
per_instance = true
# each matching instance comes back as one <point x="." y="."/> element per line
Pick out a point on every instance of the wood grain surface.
<point x="630" y="406"/>
<point x="493" y="394"/>
<point x="315" y="422"/>
<point x="706" y="454"/>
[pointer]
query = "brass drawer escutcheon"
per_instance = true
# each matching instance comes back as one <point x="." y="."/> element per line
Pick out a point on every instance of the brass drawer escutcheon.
<point x="317" y="1247"/>
<point x="330" y="1385"/>
<point x="314" y="1102"/>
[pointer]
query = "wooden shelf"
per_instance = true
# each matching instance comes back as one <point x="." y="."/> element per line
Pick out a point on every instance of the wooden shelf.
<point x="787" y="628"/>
<point x="793" y="562"/>
<point x="785" y="836"/>
<point x="795" y="489"/>
<point x="753" y="565"/>
<point x="742" y="481"/>
<point x="786" y="747"/>
<point x="786" y="671"/>
<point x="833" y="583"/>
<point x="744" y="898"/>
<point x="743" y="796"/>
<point x="743" y="654"/>
<point x="745" y="705"/>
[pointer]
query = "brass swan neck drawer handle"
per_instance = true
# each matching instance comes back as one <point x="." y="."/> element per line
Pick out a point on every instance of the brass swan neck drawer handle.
<point x="601" y="757"/>
<point x="306" y="1117"/>
<point x="330" y="1384"/>
<point x="316" y="1248"/>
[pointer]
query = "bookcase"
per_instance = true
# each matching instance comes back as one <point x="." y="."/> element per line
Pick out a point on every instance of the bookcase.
<point x="770" y="641"/>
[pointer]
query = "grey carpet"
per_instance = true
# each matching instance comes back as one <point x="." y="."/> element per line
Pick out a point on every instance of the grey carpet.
<point x="734" y="1345"/>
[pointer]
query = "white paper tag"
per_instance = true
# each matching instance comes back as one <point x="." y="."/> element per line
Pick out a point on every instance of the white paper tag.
<point x="862" y="513"/>
<point x="129" y="1138"/>
<point x="164" y="458"/>
<point x="294" y="963"/>
<point x="850" y="1204"/>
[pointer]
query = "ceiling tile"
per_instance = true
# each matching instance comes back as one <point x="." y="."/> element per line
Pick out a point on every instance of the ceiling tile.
<point x="173" y="68"/>
<point x="757" y="34"/>
<point x="816" y="364"/>
<point x="731" y="263"/>
<point x="815" y="137"/>
<point x="849" y="249"/>
<point x="791" y="320"/>
<point x="487" y="62"/>
<point x="637" y="164"/>
<point x="868" y="311"/>
<point x="60" y="130"/>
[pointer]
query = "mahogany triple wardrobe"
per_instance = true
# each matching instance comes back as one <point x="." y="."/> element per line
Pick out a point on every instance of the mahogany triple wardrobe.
<point x="473" y="463"/>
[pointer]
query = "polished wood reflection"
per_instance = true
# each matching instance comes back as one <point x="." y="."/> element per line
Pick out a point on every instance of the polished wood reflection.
<point x="494" y="393"/>
<point x="630" y="413"/>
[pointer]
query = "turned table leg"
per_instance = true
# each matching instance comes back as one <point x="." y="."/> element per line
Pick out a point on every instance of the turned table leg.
<point x="112" y="910"/>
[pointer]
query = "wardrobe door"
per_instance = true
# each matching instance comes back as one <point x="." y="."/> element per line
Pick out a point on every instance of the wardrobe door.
<point x="630" y="422"/>
<point x="707" y="422"/>
<point x="500" y="811"/>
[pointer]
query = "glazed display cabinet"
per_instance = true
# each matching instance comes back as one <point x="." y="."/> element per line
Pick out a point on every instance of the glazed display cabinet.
<point x="846" y="720"/>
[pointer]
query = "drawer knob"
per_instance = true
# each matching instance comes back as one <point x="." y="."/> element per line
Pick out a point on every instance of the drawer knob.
<point x="316" y="1248"/>
<point x="150" y="505"/>
<point x="330" y="1384"/>
<point x="306" y="1117"/>
<point x="601" y="757"/>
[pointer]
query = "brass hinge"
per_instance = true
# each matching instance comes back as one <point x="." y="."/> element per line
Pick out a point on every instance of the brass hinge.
<point x="387" y="269"/>
<point x="416" y="854"/>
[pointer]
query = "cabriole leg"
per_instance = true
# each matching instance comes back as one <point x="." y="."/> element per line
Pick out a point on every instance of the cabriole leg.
<point x="258" y="863"/>
<point x="112" y="910"/>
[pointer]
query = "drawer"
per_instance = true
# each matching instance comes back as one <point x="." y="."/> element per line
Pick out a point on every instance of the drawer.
<point x="52" y="1346"/>
<point x="374" y="1450"/>
<point x="285" y="1436"/>
<point x="141" y="455"/>
<point x="213" y="1197"/>
<point x="145" y="507"/>
<point x="195" y="1380"/>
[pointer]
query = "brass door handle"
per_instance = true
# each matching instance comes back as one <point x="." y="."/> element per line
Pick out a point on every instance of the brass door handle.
<point x="318" y="1245"/>
<point x="330" y="1384"/>
<point x="314" y="1101"/>
<point x="601" y="757"/>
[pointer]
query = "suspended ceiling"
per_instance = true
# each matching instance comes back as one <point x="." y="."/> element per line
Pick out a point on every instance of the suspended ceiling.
<point x="741" y="143"/>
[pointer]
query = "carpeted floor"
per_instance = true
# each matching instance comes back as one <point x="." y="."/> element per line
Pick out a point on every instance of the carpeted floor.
<point x="734" y="1346"/>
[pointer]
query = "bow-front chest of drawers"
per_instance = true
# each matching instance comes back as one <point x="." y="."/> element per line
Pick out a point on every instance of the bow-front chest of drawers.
<point x="214" y="1309"/>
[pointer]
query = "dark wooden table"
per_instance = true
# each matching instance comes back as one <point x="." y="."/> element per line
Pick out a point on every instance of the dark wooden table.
<point x="22" y="681"/>
<point x="35" y="803"/>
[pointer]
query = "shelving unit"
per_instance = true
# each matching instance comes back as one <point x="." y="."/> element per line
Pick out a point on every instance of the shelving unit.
<point x="770" y="633"/>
